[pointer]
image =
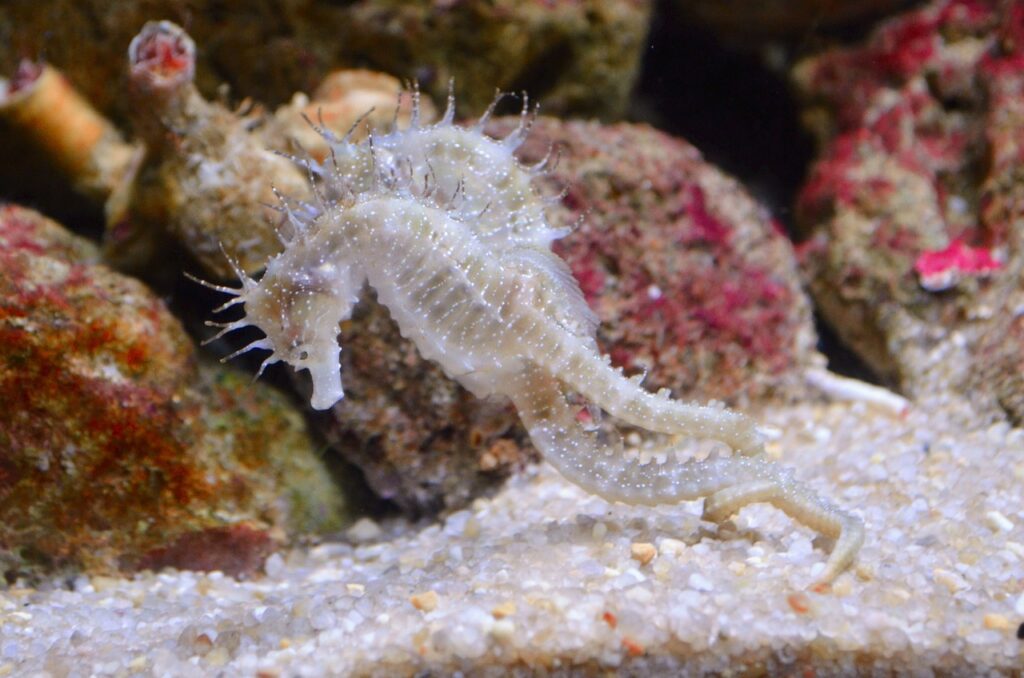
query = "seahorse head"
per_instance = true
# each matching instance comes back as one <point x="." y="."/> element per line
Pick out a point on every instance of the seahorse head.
<point x="298" y="304"/>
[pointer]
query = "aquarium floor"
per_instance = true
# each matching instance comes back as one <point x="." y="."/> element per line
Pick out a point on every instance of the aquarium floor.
<point x="545" y="578"/>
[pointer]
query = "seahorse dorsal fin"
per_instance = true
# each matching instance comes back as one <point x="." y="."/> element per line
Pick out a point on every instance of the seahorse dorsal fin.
<point x="560" y="286"/>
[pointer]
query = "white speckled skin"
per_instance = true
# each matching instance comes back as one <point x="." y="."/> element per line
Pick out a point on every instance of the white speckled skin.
<point x="445" y="225"/>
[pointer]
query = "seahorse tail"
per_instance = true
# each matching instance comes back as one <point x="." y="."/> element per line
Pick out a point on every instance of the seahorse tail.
<point x="578" y="366"/>
<point x="727" y="484"/>
<point x="606" y="470"/>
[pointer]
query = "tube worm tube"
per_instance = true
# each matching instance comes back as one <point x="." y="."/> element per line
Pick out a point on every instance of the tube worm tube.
<point x="39" y="100"/>
<point x="209" y="174"/>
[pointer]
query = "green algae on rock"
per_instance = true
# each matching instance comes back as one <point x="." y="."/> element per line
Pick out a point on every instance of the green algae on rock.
<point x="115" y="442"/>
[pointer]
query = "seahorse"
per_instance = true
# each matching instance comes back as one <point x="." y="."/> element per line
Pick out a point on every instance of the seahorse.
<point x="450" y="231"/>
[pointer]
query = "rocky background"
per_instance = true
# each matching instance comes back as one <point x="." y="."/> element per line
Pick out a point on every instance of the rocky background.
<point x="762" y="188"/>
<point x="693" y="276"/>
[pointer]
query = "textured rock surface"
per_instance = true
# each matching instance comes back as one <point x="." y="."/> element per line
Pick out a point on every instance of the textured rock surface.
<point x="579" y="57"/>
<point x="687" y="273"/>
<point x="543" y="579"/>
<point x="912" y="213"/>
<point x="118" y="450"/>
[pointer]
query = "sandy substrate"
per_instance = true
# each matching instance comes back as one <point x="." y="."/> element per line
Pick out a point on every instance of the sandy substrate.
<point x="544" y="576"/>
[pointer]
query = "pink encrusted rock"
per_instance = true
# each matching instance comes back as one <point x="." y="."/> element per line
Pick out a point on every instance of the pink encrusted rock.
<point x="118" y="449"/>
<point x="691" y="279"/>
<point x="912" y="211"/>
<point x="943" y="269"/>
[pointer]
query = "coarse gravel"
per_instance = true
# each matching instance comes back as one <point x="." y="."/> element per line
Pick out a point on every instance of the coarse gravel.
<point x="543" y="578"/>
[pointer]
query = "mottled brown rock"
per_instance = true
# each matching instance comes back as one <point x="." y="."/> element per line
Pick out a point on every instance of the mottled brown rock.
<point x="115" y="443"/>
<point x="422" y="440"/>
<point x="999" y="362"/>
<point x="580" y="57"/>
<point x="913" y="211"/>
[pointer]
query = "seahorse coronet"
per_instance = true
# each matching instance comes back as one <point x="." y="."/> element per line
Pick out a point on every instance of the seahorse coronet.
<point x="449" y="229"/>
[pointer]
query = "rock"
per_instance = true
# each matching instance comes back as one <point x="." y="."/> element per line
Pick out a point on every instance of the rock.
<point x="691" y="279"/>
<point x="911" y="213"/>
<point x="579" y="57"/>
<point x="118" y="449"/>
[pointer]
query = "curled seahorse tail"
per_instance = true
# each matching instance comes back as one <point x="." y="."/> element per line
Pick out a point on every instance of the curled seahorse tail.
<point x="577" y="365"/>
<point x="804" y="506"/>
<point x="727" y="483"/>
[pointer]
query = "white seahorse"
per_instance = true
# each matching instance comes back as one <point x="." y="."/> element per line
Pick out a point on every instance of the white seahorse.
<point x="446" y="226"/>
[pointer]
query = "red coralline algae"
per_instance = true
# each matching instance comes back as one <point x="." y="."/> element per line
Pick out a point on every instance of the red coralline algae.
<point x="942" y="269"/>
<point x="706" y="227"/>
<point x="113" y="441"/>
<point x="916" y="189"/>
